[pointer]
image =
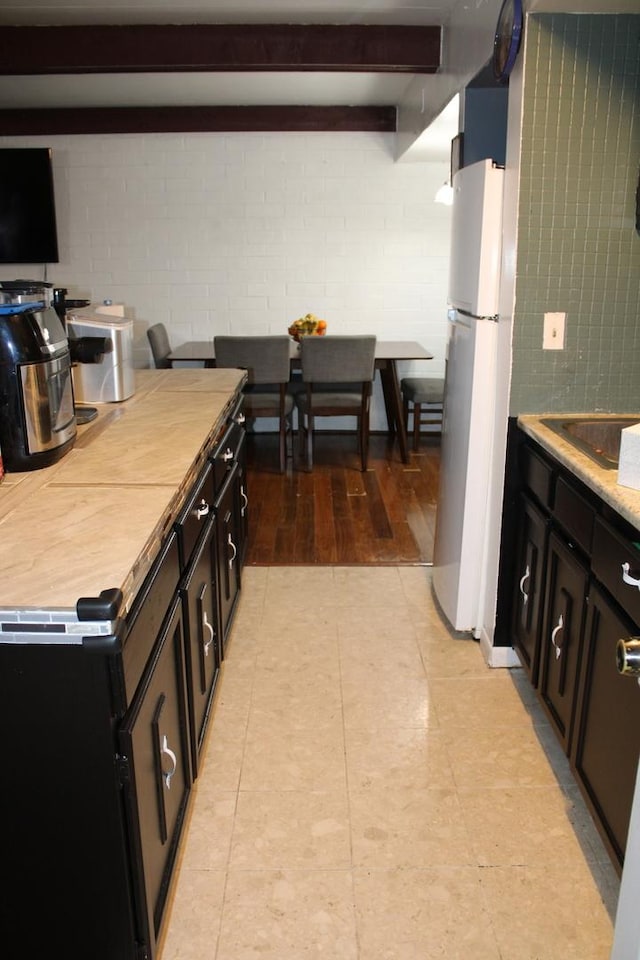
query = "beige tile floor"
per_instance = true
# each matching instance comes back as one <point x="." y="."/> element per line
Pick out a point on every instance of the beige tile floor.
<point x="372" y="791"/>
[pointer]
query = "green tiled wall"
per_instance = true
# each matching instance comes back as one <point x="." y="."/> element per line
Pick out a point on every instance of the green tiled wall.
<point x="578" y="249"/>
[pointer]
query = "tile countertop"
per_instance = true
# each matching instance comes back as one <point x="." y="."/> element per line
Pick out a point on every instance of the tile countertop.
<point x="603" y="482"/>
<point x="95" y="519"/>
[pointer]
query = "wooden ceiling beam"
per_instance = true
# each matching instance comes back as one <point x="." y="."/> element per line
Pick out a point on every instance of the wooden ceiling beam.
<point x="133" y="48"/>
<point x="83" y="120"/>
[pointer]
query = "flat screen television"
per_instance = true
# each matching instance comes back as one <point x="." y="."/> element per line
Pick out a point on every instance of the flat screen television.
<point x="28" y="231"/>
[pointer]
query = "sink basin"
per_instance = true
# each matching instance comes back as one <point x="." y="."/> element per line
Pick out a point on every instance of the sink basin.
<point x="598" y="437"/>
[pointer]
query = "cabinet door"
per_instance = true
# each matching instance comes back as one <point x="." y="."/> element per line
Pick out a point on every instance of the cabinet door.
<point x="65" y="847"/>
<point x="228" y="559"/>
<point x="203" y="637"/>
<point x="566" y="590"/>
<point x="528" y="595"/>
<point x="242" y="506"/>
<point x="154" y="744"/>
<point x="195" y="515"/>
<point x="225" y="454"/>
<point x="607" y="734"/>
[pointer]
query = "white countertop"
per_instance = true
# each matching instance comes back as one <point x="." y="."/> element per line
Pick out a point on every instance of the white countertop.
<point x="95" y="520"/>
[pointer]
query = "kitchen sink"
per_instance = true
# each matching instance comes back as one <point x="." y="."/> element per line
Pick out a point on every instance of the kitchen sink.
<point x="598" y="437"/>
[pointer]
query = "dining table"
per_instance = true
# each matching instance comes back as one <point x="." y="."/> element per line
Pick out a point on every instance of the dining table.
<point x="388" y="354"/>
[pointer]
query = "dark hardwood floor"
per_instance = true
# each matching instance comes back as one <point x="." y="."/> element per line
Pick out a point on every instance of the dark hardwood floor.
<point x="336" y="514"/>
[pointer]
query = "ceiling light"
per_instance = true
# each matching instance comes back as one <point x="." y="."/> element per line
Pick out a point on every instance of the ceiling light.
<point x="444" y="194"/>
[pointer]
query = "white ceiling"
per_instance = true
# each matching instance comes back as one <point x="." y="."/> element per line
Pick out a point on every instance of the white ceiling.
<point x="214" y="89"/>
<point x="45" y="12"/>
<point x="224" y="89"/>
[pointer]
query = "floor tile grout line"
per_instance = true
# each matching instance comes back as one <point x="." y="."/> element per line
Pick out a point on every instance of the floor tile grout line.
<point x="239" y="783"/>
<point x="416" y="628"/>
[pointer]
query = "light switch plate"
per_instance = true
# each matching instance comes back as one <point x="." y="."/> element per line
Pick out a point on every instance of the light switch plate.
<point x="553" y="331"/>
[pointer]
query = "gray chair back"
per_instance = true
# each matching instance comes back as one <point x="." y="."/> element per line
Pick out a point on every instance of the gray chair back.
<point x="160" y="346"/>
<point x="338" y="359"/>
<point x="266" y="359"/>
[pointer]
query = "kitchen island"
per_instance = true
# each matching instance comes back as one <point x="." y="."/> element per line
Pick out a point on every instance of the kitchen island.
<point x="569" y="599"/>
<point x="95" y="519"/>
<point x="120" y="570"/>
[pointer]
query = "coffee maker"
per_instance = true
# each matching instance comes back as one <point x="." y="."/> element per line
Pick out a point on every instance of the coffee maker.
<point x="37" y="419"/>
<point x="82" y="349"/>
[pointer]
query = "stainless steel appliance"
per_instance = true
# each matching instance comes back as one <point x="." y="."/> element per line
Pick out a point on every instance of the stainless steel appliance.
<point x="37" y="420"/>
<point x="90" y="349"/>
<point x="112" y="378"/>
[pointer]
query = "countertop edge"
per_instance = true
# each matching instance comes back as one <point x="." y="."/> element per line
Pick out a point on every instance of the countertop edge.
<point x="602" y="482"/>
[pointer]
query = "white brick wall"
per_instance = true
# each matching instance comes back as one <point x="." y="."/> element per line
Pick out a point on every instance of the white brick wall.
<point x="242" y="233"/>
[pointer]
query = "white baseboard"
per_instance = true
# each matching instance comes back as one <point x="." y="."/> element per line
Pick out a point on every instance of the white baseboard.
<point x="498" y="656"/>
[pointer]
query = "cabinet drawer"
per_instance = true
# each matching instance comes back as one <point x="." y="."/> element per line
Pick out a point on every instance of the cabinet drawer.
<point x="148" y="612"/>
<point x="574" y="513"/>
<point x="616" y="564"/>
<point x="194" y="516"/>
<point x="538" y="476"/>
<point x="226" y="452"/>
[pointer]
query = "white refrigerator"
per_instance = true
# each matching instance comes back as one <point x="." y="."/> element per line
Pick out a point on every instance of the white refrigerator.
<point x="469" y="400"/>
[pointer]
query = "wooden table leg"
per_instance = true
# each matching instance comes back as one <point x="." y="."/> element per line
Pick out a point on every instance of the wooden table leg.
<point x="393" y="405"/>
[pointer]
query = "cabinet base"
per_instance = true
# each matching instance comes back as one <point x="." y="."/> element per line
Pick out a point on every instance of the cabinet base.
<point x="498" y="656"/>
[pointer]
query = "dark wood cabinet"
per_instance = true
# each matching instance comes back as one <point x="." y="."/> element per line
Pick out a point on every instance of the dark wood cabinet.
<point x="203" y="637"/>
<point x="99" y="725"/>
<point x="228" y="556"/>
<point x="110" y="652"/>
<point x="242" y="506"/>
<point x="66" y="854"/>
<point x="588" y="558"/>
<point x="606" y="741"/>
<point x="105" y="731"/>
<point x="197" y="536"/>
<point x="567" y="586"/>
<point x="231" y="512"/>
<point x="154" y="765"/>
<point x="529" y="581"/>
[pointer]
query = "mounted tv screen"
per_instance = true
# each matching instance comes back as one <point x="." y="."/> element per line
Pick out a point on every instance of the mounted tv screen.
<point x="27" y="207"/>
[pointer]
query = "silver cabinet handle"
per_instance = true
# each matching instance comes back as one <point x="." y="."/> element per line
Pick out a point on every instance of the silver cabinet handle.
<point x="240" y="419"/>
<point x="627" y="578"/>
<point x="525" y="595"/>
<point x="166" y="750"/>
<point x="554" y="634"/>
<point x="227" y="455"/>
<point x="202" y="510"/>
<point x="628" y="656"/>
<point x="207" y="626"/>
<point x="233" y="547"/>
<point x="245" y="500"/>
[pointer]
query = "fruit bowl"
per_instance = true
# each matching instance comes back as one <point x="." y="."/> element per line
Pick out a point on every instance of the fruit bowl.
<point x="307" y="326"/>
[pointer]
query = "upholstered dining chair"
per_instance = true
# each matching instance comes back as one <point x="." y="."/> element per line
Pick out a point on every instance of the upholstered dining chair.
<point x="160" y="346"/>
<point x="337" y="373"/>
<point x="425" y="397"/>
<point x="266" y="360"/>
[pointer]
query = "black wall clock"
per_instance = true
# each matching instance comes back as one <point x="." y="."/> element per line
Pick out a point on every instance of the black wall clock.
<point x="507" y="39"/>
